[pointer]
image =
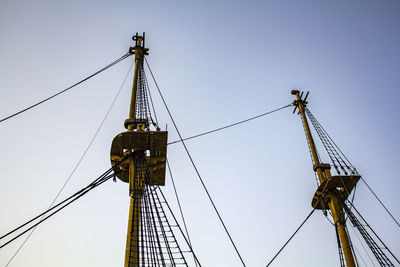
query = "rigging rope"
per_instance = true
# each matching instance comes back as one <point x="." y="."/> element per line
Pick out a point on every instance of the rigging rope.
<point x="336" y="146"/>
<point x="230" y="125"/>
<point x="194" y="165"/>
<point x="98" y="181"/>
<point x="144" y="83"/>
<point x="179" y="227"/>
<point x="165" y="232"/>
<point x="151" y="101"/>
<point x="48" y="210"/>
<point x="77" y="195"/>
<point x="352" y="246"/>
<point x="309" y="149"/>
<point x="68" y="88"/>
<point x="157" y="243"/>
<point x="142" y="103"/>
<point x="338" y="156"/>
<point x="362" y="245"/>
<point x="179" y="205"/>
<point x="334" y="153"/>
<point x="376" y="250"/>
<point x="287" y="242"/>
<point x="380" y="202"/>
<point x="341" y="254"/>
<point x="79" y="161"/>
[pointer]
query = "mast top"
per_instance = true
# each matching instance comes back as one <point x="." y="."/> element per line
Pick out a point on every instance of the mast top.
<point x="139" y="112"/>
<point x="139" y="49"/>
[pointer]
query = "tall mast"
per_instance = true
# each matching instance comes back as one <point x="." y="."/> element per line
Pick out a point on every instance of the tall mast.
<point x="135" y="181"/>
<point x="332" y="190"/>
<point x="143" y="156"/>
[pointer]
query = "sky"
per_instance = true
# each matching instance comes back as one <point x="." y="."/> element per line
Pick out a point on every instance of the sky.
<point x="217" y="62"/>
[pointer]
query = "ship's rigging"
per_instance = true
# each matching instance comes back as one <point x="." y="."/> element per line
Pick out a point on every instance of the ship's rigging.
<point x="150" y="234"/>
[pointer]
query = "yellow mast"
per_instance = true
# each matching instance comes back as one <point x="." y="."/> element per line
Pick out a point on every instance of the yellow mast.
<point x="146" y="163"/>
<point x="332" y="189"/>
<point x="135" y="183"/>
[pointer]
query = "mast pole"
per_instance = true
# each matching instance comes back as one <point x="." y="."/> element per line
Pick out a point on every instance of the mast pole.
<point x="324" y="173"/>
<point x="138" y="60"/>
<point x="136" y="178"/>
<point x="139" y="156"/>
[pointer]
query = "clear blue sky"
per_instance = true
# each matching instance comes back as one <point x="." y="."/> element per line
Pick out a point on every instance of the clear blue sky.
<point x="217" y="62"/>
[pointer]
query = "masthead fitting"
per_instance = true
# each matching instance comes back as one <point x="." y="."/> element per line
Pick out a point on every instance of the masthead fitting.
<point x="294" y="92"/>
<point x="139" y="44"/>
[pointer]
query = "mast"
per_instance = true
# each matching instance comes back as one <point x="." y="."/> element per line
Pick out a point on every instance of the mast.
<point x="135" y="183"/>
<point x="143" y="153"/>
<point x="333" y="190"/>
